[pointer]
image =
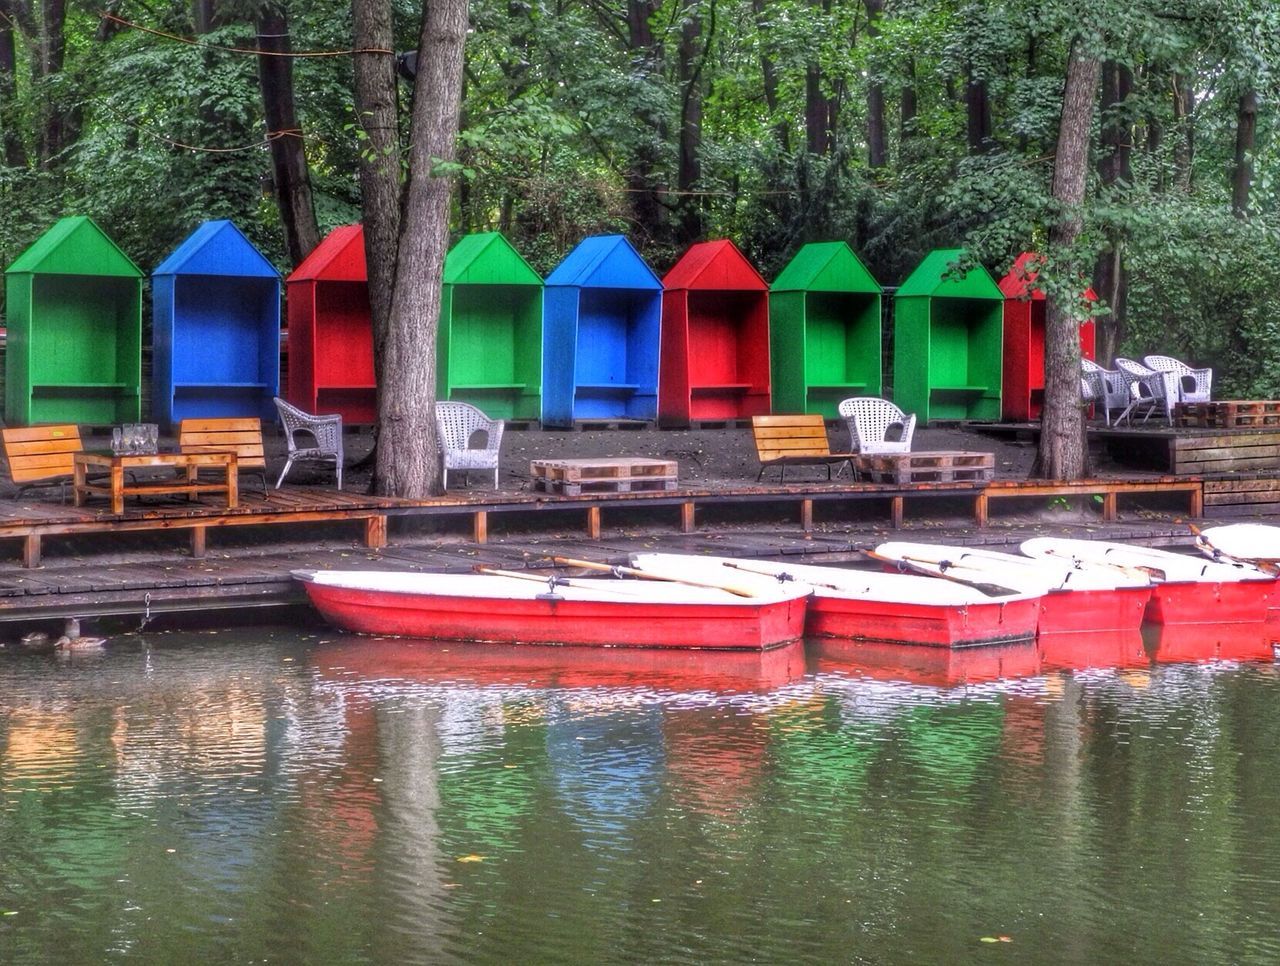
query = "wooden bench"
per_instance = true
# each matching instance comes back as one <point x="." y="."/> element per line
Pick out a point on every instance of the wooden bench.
<point x="784" y="441"/>
<point x="242" y="436"/>
<point x="42" y="455"/>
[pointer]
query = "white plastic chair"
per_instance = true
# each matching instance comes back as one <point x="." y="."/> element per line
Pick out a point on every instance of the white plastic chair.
<point x="1194" y="385"/>
<point x="456" y="424"/>
<point x="871" y="422"/>
<point x="326" y="430"/>
<point x="1108" y="388"/>
<point x="1149" y="390"/>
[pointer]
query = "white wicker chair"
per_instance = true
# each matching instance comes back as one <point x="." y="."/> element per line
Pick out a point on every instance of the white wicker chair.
<point x="326" y="431"/>
<point x="456" y="423"/>
<point x="1108" y="388"/>
<point x="1149" y="390"/>
<point x="1194" y="385"/>
<point x="870" y="420"/>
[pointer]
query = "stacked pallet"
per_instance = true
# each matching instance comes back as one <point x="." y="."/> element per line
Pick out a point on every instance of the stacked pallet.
<point x="575" y="477"/>
<point x="1228" y="414"/>
<point x="938" y="466"/>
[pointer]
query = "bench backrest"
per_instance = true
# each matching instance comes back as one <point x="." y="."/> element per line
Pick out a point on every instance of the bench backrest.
<point x="781" y="436"/>
<point x="41" y="452"/>
<point x="241" y="436"/>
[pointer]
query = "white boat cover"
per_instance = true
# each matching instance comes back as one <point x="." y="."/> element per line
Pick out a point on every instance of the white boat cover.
<point x="827" y="581"/>
<point x="1246" y="542"/>
<point x="1026" y="574"/>
<point x="1163" y="565"/>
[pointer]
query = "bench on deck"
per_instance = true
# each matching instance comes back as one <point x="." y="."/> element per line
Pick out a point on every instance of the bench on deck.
<point x="800" y="440"/>
<point x="42" y="455"/>
<point x="242" y="436"/>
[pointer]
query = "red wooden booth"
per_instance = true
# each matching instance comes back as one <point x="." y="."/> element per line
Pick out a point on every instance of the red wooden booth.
<point x="330" y="331"/>
<point x="1024" y="307"/>
<point x="714" y="360"/>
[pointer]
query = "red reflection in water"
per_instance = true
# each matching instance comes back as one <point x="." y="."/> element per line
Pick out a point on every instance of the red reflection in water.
<point x="565" y="667"/>
<point x="1211" y="642"/>
<point x="1093" y="649"/>
<point x="715" y="761"/>
<point x="933" y="666"/>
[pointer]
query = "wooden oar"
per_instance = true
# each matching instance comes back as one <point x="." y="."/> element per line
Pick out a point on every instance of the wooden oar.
<point x="544" y="579"/>
<point x="735" y="589"/>
<point x="781" y="575"/>
<point x="988" y="588"/>
<point x="1151" y="573"/>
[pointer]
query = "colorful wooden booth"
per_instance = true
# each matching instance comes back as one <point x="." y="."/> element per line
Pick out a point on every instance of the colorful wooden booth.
<point x="1024" y="308"/>
<point x="715" y="337"/>
<point x="490" y="337"/>
<point x="74" y="353"/>
<point x="215" y="328"/>
<point x="947" y="340"/>
<point x="602" y="312"/>
<point x="330" y="331"/>
<point x="824" y="325"/>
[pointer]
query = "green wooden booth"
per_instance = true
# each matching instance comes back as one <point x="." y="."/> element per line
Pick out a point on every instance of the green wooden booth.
<point x="490" y="337"/>
<point x="74" y="352"/>
<point x="824" y="319"/>
<point x="947" y="334"/>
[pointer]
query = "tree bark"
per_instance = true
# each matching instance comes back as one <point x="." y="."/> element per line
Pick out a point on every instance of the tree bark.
<point x="1110" y="277"/>
<point x="643" y="182"/>
<point x="408" y="464"/>
<point x="52" y="57"/>
<point x="877" y="153"/>
<point x="1246" y="129"/>
<point x="907" y="102"/>
<point x="769" y="75"/>
<point x="15" y="152"/>
<point x="691" y="54"/>
<point x="291" y="179"/>
<point x="1184" y="105"/>
<point x="978" y="114"/>
<point x="1064" y="450"/>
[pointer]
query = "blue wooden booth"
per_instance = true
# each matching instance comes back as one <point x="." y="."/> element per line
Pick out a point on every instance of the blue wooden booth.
<point x="602" y="315"/>
<point x="216" y="328"/>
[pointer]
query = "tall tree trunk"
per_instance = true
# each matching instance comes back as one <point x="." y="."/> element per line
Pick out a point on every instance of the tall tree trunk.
<point x="691" y="54"/>
<point x="50" y="62"/>
<point x="907" y="101"/>
<point x="15" y="153"/>
<point x="1110" y="276"/>
<point x="1242" y="175"/>
<point x="408" y="464"/>
<point x="877" y="153"/>
<point x="1184" y="105"/>
<point x="377" y="102"/>
<point x="978" y="114"/>
<point x="291" y="178"/>
<point x="644" y="184"/>
<point x="769" y="75"/>
<point x="1064" y="450"/>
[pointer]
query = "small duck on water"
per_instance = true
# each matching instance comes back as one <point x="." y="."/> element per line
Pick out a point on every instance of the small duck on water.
<point x="71" y="640"/>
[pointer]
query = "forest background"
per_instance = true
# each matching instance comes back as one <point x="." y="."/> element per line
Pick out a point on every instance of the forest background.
<point x="897" y="125"/>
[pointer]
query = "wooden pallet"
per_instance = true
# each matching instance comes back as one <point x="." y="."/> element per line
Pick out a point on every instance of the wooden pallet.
<point x="1241" y="498"/>
<point x="1231" y="452"/>
<point x="939" y="466"/>
<point x="1228" y="414"/>
<point x="574" y="477"/>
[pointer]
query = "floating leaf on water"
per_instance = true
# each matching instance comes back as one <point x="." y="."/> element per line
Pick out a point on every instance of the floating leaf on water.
<point x="988" y="939"/>
<point x="471" y="858"/>
<point x="11" y="912"/>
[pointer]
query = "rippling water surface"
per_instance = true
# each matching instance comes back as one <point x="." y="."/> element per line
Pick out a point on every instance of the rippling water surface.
<point x="276" y="796"/>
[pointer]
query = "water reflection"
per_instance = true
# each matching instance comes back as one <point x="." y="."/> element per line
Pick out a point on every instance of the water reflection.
<point x="265" y="796"/>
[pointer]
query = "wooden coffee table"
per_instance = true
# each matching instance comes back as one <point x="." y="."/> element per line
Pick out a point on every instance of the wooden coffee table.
<point x="116" y="488"/>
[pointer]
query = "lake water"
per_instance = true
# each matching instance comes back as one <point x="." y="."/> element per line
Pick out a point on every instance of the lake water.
<point x="278" y="796"/>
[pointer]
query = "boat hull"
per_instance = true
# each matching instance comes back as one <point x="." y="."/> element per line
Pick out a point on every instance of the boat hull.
<point x="969" y="625"/>
<point x="750" y="626"/>
<point x="1226" y="602"/>
<point x="1094" y="611"/>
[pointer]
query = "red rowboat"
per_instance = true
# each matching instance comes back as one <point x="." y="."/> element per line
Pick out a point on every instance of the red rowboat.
<point x="869" y="605"/>
<point x="595" y="611"/>
<point x="1074" y="599"/>
<point x="932" y="666"/>
<point x="1188" y="590"/>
